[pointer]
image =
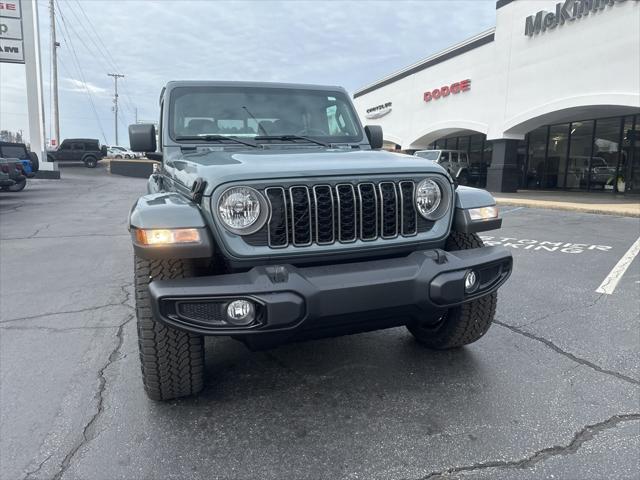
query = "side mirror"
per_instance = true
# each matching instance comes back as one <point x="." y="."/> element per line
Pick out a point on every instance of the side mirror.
<point x="374" y="135"/>
<point x="142" y="137"/>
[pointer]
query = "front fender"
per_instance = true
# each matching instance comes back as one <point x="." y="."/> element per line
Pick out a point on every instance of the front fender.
<point x="468" y="198"/>
<point x="169" y="211"/>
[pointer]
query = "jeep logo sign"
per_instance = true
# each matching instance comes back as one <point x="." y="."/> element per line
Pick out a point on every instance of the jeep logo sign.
<point x="568" y="11"/>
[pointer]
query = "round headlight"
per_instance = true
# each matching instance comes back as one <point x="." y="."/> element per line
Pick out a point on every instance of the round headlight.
<point x="242" y="210"/>
<point x="428" y="197"/>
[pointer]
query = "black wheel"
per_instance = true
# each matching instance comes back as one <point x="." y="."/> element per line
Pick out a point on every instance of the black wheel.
<point x="90" y="162"/>
<point x="463" y="178"/>
<point x="119" y="157"/>
<point x="16" y="187"/>
<point x="172" y="361"/>
<point x="458" y="326"/>
<point x="35" y="163"/>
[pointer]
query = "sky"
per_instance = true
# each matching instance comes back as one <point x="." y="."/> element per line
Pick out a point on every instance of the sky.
<point x="152" y="42"/>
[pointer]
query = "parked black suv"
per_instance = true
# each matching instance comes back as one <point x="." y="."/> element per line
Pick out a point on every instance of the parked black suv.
<point x="85" y="150"/>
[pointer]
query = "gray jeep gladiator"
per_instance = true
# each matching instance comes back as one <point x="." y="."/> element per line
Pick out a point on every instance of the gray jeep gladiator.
<point x="275" y="217"/>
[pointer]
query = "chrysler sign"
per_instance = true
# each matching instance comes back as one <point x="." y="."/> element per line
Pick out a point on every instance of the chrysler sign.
<point x="567" y="11"/>
<point x="378" y="111"/>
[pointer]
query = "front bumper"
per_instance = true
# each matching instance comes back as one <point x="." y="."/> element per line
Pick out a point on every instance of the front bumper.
<point x="332" y="298"/>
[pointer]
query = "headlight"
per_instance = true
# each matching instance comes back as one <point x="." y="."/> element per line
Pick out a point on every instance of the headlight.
<point x="428" y="197"/>
<point x="242" y="210"/>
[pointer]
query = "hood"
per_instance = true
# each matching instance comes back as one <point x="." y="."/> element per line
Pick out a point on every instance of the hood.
<point x="222" y="166"/>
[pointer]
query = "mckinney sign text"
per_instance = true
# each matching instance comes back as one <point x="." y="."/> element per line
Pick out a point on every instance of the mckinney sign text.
<point x="565" y="12"/>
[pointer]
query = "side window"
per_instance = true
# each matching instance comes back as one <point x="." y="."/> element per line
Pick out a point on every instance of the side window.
<point x="78" y="146"/>
<point x="454" y="157"/>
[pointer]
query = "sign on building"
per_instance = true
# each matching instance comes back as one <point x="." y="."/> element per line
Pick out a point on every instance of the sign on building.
<point x="11" y="36"/>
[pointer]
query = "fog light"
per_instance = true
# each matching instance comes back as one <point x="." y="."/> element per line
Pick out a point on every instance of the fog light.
<point x="470" y="281"/>
<point x="241" y="312"/>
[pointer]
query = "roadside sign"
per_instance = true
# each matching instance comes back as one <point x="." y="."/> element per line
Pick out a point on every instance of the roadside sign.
<point x="11" y="35"/>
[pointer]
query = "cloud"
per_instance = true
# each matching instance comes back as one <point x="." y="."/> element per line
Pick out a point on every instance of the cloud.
<point x="73" y="85"/>
<point x="339" y="43"/>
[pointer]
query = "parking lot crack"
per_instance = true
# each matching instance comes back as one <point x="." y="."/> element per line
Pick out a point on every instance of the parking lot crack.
<point x="587" y="433"/>
<point x="88" y="432"/>
<point x="571" y="356"/>
<point x="123" y="302"/>
<point x="564" y="310"/>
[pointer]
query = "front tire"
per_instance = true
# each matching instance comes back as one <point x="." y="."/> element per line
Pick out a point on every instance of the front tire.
<point x="172" y="361"/>
<point x="462" y="325"/>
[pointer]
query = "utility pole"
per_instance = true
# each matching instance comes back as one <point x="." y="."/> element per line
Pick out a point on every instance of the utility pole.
<point x="54" y="74"/>
<point x="115" y="99"/>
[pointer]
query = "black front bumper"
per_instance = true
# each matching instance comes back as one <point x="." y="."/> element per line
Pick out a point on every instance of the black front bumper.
<point x="331" y="299"/>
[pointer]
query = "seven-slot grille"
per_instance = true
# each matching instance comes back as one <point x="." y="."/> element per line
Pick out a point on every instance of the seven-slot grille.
<point x="324" y="214"/>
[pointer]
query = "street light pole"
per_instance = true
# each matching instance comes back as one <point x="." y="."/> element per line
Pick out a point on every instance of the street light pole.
<point x="115" y="100"/>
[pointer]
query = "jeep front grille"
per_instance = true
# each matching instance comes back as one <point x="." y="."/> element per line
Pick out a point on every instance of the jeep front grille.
<point x="323" y="214"/>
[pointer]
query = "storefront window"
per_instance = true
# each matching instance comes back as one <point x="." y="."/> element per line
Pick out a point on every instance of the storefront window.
<point x="463" y="144"/>
<point x="536" y="157"/>
<point x="556" y="162"/>
<point x="578" y="164"/>
<point x="629" y="170"/>
<point x="606" y="153"/>
<point x="475" y="149"/>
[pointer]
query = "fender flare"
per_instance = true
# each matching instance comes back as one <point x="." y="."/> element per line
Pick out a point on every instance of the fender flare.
<point x="169" y="211"/>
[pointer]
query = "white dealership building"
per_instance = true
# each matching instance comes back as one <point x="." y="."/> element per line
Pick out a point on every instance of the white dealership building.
<point x="549" y="98"/>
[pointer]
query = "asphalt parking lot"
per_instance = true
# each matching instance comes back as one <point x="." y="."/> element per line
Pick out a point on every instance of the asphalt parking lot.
<point x="552" y="391"/>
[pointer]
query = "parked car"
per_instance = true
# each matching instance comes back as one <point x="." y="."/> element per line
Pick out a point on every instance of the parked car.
<point x="456" y="162"/>
<point x="14" y="169"/>
<point x="30" y="162"/>
<point x="296" y="226"/>
<point x="85" y="150"/>
<point x="5" y="179"/>
<point x="120" y="152"/>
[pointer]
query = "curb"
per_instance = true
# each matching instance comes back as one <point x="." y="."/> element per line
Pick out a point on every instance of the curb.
<point x="628" y="210"/>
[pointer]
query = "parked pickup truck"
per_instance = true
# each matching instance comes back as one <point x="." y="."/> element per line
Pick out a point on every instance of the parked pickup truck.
<point x="276" y="217"/>
<point x="13" y="178"/>
<point x="29" y="160"/>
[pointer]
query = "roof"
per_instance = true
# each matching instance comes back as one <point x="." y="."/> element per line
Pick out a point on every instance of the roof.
<point x="211" y="83"/>
<point x="458" y="49"/>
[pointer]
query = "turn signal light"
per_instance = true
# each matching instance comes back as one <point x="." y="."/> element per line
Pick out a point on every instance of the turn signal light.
<point x="167" y="236"/>
<point x="484" y="213"/>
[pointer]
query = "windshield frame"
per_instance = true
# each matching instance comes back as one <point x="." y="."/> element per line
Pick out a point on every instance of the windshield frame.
<point x="340" y="95"/>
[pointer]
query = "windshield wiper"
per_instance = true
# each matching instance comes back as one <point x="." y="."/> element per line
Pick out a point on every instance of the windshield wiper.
<point x="291" y="137"/>
<point x="215" y="138"/>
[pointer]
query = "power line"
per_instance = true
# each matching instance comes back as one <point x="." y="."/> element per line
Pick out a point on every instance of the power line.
<point x="67" y="38"/>
<point x="107" y="54"/>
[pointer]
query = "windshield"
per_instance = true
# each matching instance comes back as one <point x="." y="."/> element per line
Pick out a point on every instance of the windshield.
<point x="429" y="155"/>
<point x="13" y="151"/>
<point x="262" y="112"/>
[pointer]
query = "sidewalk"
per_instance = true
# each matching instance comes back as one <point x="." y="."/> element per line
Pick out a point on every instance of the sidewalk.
<point x="588" y="202"/>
